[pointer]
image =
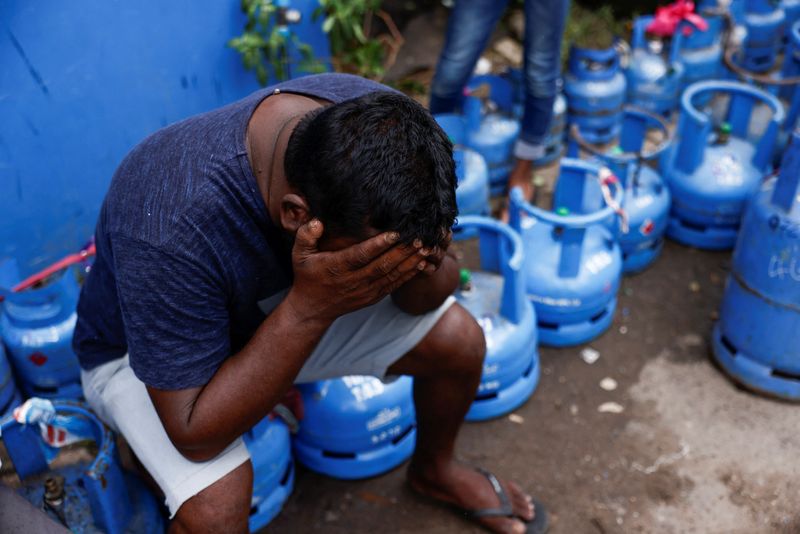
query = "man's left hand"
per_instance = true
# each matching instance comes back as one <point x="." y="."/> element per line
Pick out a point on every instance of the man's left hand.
<point x="436" y="256"/>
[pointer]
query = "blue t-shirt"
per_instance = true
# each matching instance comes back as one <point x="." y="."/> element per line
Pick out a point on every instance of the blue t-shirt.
<point x="186" y="248"/>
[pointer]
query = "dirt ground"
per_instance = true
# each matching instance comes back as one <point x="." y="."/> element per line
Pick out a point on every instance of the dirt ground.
<point x="690" y="453"/>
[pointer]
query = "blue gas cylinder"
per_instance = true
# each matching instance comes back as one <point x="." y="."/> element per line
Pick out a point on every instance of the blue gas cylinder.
<point x="273" y="469"/>
<point x="495" y="296"/>
<point x="573" y="262"/>
<point x="646" y="202"/>
<point x="472" y="189"/>
<point x="356" y="426"/>
<point x="757" y="338"/>
<point x="99" y="496"/>
<point x="595" y="88"/>
<point x="711" y="174"/>
<point x="654" y="75"/>
<point x="472" y="173"/>
<point x="491" y="127"/>
<point x="764" y="21"/>
<point x="783" y="83"/>
<point x="36" y="326"/>
<point x="9" y="396"/>
<point x="701" y="51"/>
<point x="788" y="92"/>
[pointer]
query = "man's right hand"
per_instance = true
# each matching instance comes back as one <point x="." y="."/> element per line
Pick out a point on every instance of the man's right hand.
<point x="330" y="284"/>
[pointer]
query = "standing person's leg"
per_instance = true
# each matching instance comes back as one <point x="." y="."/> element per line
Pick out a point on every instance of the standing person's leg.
<point x="544" y="30"/>
<point x="468" y="31"/>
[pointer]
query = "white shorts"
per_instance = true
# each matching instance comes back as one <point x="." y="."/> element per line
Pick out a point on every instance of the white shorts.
<point x="365" y="342"/>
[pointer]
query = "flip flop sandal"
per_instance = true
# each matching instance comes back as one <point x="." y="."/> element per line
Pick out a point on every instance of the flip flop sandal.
<point x="538" y="525"/>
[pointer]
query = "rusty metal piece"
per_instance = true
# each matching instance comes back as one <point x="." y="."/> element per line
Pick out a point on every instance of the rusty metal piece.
<point x="54" y="497"/>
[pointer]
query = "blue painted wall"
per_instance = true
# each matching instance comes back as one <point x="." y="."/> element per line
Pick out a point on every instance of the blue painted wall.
<point x="82" y="82"/>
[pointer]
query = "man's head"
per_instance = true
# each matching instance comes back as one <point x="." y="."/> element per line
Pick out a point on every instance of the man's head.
<point x="374" y="163"/>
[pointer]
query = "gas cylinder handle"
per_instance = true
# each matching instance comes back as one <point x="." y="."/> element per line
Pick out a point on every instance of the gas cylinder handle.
<point x="102" y="479"/>
<point x="633" y="116"/>
<point x="520" y="205"/>
<point x="694" y="126"/>
<point x="580" y="58"/>
<point x="101" y="433"/>
<point x="639" y="34"/>
<point x="494" y="89"/>
<point x="675" y="47"/>
<point x="729" y="58"/>
<point x="787" y="188"/>
<point x="639" y="38"/>
<point x="510" y="256"/>
<point x="571" y="229"/>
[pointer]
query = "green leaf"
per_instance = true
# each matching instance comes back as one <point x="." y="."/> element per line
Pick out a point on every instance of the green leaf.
<point x="327" y="25"/>
<point x="359" y="33"/>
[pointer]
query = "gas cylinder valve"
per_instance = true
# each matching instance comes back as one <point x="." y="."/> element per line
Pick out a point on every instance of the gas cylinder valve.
<point x="54" y="497"/>
<point x="723" y="134"/>
<point x="465" y="280"/>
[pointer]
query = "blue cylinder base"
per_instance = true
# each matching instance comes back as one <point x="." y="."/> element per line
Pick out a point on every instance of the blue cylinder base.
<point x="567" y="334"/>
<point x="635" y="261"/>
<point x="267" y="507"/>
<point x="703" y="237"/>
<point x="357" y="465"/>
<point x="751" y="372"/>
<point x="503" y="401"/>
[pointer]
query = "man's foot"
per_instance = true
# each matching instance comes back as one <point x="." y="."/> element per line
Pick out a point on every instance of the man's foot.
<point x="521" y="176"/>
<point x="467" y="489"/>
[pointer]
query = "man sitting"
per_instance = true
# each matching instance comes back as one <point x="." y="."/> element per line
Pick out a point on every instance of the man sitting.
<point x="296" y="235"/>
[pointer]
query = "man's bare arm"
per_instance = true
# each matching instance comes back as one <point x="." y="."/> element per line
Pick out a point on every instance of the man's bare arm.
<point x="202" y="421"/>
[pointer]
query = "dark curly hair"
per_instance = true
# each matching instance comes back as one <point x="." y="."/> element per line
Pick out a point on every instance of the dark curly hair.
<point x="378" y="160"/>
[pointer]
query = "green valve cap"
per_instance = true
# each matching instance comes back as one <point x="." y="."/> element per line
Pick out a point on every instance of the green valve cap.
<point x="466" y="276"/>
<point x="562" y="211"/>
<point x="725" y="128"/>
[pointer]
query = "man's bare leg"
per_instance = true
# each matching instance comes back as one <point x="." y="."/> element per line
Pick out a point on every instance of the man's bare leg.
<point x="223" y="507"/>
<point x="447" y="366"/>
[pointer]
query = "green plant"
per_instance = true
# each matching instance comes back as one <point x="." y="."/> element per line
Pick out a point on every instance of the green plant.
<point x="348" y="24"/>
<point x="265" y="43"/>
<point x="592" y="27"/>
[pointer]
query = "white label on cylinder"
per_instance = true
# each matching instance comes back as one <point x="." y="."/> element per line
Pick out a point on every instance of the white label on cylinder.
<point x="598" y="262"/>
<point x="384" y="417"/>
